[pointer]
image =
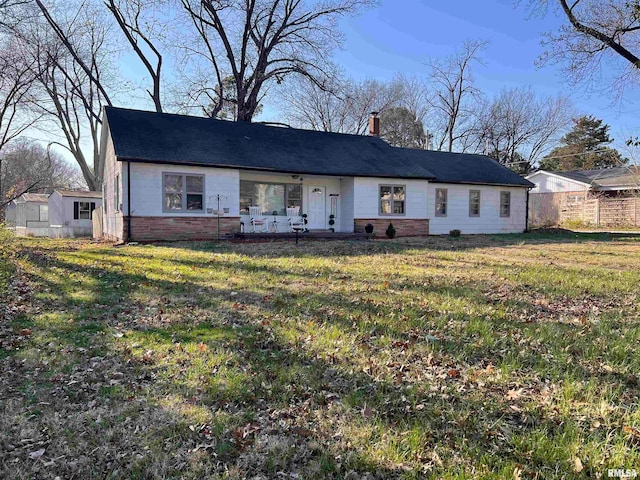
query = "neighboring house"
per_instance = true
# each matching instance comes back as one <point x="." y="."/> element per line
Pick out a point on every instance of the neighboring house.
<point x="70" y="212"/>
<point x="166" y="175"/>
<point x="605" y="196"/>
<point x="28" y="215"/>
<point x="63" y="213"/>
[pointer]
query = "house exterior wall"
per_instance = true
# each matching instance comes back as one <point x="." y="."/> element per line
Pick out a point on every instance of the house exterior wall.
<point x="112" y="216"/>
<point x="489" y="220"/>
<point x="148" y="220"/>
<point x="10" y="214"/>
<point x="27" y="219"/>
<point x="347" y="205"/>
<point x="367" y="207"/>
<point x="61" y="213"/>
<point x="545" y="183"/>
<point x="367" y="198"/>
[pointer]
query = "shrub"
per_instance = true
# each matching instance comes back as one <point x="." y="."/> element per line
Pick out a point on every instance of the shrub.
<point x="391" y="231"/>
<point x="454" y="233"/>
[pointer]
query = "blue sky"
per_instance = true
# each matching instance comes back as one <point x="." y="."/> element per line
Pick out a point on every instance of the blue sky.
<point x="399" y="36"/>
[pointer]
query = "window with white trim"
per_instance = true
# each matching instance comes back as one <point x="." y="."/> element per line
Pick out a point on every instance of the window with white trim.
<point x="474" y="203"/>
<point x="182" y="192"/>
<point x="505" y="204"/>
<point x="392" y="199"/>
<point x="441" y="202"/>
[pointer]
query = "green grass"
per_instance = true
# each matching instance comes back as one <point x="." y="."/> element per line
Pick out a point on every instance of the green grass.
<point x="476" y="357"/>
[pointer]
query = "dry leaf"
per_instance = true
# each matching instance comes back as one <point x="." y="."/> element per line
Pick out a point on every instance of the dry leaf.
<point x="454" y="373"/>
<point x="577" y="465"/>
<point x="37" y="454"/>
<point x="202" y="347"/>
<point x="514" y="394"/>
<point x="517" y="473"/>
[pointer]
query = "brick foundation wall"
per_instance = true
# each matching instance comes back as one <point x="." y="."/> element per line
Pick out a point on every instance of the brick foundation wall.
<point x="405" y="227"/>
<point x="150" y="229"/>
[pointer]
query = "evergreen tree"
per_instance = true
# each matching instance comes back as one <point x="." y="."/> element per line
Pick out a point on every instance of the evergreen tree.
<point x="584" y="148"/>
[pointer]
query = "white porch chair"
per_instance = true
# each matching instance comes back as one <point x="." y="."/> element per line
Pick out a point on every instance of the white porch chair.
<point x="296" y="222"/>
<point x="256" y="219"/>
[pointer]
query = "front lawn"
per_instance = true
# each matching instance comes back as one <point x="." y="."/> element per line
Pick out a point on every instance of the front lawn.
<point x="510" y="357"/>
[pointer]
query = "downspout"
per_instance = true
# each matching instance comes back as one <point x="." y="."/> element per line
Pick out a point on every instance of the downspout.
<point x="129" y="201"/>
<point x="526" y="222"/>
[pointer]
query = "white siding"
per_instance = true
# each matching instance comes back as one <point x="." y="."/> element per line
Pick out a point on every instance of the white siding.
<point x="489" y="220"/>
<point x="347" y="205"/>
<point x="61" y="213"/>
<point x="112" y="223"/>
<point x="10" y="214"/>
<point x="546" y="183"/>
<point x="146" y="189"/>
<point x="367" y="201"/>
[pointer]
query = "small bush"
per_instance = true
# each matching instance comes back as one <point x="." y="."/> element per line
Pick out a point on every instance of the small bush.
<point x="391" y="231"/>
<point x="454" y="233"/>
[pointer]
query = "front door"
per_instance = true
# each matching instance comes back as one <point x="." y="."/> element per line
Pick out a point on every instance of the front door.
<point x="316" y="211"/>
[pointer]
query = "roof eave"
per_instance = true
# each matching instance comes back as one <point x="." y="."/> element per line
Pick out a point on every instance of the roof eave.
<point x="493" y="184"/>
<point x="271" y="170"/>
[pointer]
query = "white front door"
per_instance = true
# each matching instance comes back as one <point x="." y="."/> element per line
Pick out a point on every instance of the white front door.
<point x="316" y="210"/>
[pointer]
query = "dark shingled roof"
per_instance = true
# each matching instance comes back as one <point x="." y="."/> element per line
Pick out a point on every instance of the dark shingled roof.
<point x="178" y="139"/>
<point x="465" y="168"/>
<point x="606" y="177"/>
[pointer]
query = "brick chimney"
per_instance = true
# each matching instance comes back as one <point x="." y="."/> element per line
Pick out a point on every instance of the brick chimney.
<point x="374" y="124"/>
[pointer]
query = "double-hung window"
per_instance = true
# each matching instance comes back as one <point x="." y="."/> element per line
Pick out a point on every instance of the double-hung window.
<point x="182" y="193"/>
<point x="392" y="199"/>
<point x="82" y="210"/>
<point x="505" y="204"/>
<point x="474" y="203"/>
<point x="441" y="202"/>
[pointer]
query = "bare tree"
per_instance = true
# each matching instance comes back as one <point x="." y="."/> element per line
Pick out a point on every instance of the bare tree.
<point x="344" y="106"/>
<point x="517" y="127"/>
<point x="265" y="41"/>
<point x="139" y="22"/>
<point x="16" y="80"/>
<point x="596" y="30"/>
<point x="29" y="167"/>
<point x="68" y="61"/>
<point x="455" y="97"/>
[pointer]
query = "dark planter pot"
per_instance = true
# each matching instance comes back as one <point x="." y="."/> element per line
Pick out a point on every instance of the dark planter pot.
<point x="368" y="228"/>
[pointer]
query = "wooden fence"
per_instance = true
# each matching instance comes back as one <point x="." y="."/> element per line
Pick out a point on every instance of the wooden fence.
<point x="558" y="208"/>
<point x="97" y="222"/>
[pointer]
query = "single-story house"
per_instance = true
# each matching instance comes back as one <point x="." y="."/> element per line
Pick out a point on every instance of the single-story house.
<point x="177" y="177"/>
<point x="28" y="215"/>
<point x="70" y="213"/>
<point x="63" y="213"/>
<point x="606" y="195"/>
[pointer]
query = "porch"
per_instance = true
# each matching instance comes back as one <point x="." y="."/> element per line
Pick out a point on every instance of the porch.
<point x="316" y="198"/>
